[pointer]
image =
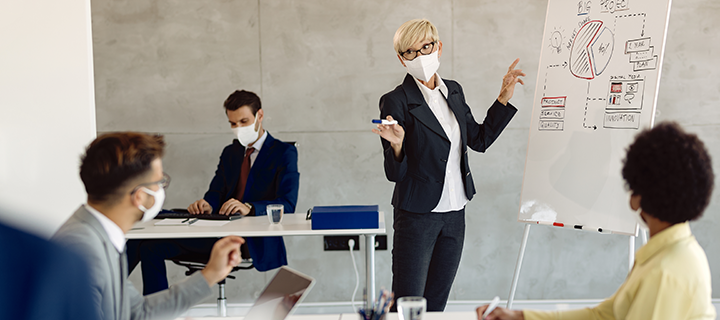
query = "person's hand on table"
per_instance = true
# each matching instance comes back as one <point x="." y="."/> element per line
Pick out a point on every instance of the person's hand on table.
<point x="500" y="313"/>
<point x="393" y="133"/>
<point x="510" y="79"/>
<point x="233" y="206"/>
<point x="200" y="207"/>
<point x="224" y="256"/>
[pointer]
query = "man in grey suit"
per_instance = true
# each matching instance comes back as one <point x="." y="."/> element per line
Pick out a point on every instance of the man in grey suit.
<point x="123" y="177"/>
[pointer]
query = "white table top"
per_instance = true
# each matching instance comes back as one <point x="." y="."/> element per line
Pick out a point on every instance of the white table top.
<point x="291" y="317"/>
<point x="292" y="225"/>
<point x="428" y="316"/>
<point x="354" y="316"/>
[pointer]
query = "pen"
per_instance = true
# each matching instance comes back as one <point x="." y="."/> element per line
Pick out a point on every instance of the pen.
<point x="385" y="122"/>
<point x="491" y="307"/>
<point x="599" y="230"/>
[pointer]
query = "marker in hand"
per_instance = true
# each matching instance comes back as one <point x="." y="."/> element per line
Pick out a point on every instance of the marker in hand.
<point x="491" y="307"/>
<point x="385" y="122"/>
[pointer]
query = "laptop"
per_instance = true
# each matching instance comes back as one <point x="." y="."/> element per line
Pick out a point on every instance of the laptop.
<point x="281" y="295"/>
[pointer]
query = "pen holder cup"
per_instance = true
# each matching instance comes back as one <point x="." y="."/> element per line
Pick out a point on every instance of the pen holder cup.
<point x="362" y="317"/>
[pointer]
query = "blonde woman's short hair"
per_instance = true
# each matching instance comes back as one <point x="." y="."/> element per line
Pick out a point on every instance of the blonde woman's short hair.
<point x="413" y="31"/>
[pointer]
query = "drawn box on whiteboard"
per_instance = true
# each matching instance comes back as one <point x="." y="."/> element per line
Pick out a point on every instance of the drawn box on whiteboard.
<point x="622" y="120"/>
<point x="642" y="55"/>
<point x="637" y="45"/>
<point x="549" y="102"/>
<point x="552" y="113"/>
<point x="551" y="125"/>
<point x="625" y="94"/>
<point x="645" y="65"/>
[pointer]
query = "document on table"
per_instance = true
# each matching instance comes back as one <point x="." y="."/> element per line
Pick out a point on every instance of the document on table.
<point x="176" y="222"/>
<point x="210" y="223"/>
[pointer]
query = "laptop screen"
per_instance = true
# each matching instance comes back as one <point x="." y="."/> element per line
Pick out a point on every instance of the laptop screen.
<point x="284" y="291"/>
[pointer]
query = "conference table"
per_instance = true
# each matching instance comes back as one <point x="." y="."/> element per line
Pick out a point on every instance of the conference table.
<point x="353" y="316"/>
<point x="259" y="226"/>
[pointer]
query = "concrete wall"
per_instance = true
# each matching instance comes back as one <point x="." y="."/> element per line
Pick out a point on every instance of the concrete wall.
<point x="320" y="68"/>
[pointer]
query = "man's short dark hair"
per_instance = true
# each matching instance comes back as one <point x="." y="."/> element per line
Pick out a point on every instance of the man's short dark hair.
<point x="672" y="171"/>
<point x="241" y="98"/>
<point x="114" y="159"/>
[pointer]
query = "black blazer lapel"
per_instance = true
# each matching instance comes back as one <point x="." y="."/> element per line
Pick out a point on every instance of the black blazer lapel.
<point x="419" y="108"/>
<point x="455" y="101"/>
<point x="265" y="151"/>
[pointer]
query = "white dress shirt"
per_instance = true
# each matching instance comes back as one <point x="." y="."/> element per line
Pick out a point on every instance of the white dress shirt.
<point x="453" y="196"/>
<point x="117" y="237"/>
<point x="257" y="145"/>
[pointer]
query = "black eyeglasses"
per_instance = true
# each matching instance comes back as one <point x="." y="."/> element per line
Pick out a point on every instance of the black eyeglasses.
<point x="425" y="50"/>
<point x="164" y="183"/>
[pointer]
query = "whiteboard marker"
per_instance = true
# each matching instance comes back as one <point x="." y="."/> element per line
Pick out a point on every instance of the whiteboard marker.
<point x="599" y="230"/>
<point x="385" y="122"/>
<point x="548" y="223"/>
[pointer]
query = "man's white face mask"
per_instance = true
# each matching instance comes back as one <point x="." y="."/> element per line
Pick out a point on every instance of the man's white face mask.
<point x="423" y="67"/>
<point x="149" y="214"/>
<point x="247" y="134"/>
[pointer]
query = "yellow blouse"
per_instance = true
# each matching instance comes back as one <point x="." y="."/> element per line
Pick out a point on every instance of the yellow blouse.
<point x="670" y="280"/>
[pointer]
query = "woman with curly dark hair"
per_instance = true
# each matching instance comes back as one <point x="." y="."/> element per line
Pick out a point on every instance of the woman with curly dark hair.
<point x="670" y="178"/>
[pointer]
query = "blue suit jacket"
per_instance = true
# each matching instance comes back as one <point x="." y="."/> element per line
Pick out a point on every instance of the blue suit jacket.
<point x="273" y="179"/>
<point x="420" y="174"/>
<point x="41" y="279"/>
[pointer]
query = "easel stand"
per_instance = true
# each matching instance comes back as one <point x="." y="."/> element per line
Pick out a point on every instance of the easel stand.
<point x="523" y="244"/>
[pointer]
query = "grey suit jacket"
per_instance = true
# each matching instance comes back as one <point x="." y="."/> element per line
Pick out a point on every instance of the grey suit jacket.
<point x="114" y="296"/>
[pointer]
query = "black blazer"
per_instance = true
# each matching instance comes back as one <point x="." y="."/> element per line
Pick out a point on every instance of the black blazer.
<point x="420" y="175"/>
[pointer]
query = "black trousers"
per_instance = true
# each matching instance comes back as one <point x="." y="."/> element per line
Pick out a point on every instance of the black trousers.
<point x="426" y="254"/>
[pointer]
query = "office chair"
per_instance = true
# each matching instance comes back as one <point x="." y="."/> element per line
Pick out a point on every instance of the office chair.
<point x="197" y="262"/>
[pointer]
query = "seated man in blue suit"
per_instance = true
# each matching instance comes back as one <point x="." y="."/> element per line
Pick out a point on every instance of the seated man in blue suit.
<point x="254" y="171"/>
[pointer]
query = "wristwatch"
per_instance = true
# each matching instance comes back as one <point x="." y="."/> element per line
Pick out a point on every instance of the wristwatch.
<point x="252" y="209"/>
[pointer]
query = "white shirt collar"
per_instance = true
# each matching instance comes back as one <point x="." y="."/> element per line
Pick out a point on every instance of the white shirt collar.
<point x="117" y="237"/>
<point x="426" y="92"/>
<point x="259" y="143"/>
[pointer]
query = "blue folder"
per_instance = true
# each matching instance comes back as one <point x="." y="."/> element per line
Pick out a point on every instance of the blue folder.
<point x="345" y="217"/>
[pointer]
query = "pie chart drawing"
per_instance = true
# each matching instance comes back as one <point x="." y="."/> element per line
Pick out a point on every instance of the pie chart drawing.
<point x="591" y="50"/>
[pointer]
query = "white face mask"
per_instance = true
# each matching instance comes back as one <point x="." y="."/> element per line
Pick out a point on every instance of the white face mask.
<point x="638" y="218"/>
<point x="247" y="134"/>
<point x="423" y="67"/>
<point x="149" y="214"/>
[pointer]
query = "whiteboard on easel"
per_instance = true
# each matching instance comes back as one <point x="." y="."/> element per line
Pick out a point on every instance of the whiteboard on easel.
<point x="596" y="89"/>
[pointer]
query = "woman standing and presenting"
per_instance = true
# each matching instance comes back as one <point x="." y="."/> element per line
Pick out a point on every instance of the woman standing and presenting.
<point x="426" y="156"/>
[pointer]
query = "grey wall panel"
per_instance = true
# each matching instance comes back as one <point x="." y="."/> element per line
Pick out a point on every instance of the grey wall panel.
<point x="488" y="37"/>
<point x="326" y="63"/>
<point x="689" y="90"/>
<point x="168" y="66"/>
